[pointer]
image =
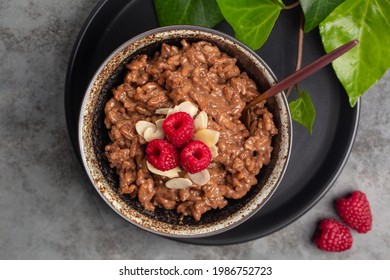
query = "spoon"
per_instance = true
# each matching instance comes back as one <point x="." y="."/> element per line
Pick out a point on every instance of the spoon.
<point x="295" y="78"/>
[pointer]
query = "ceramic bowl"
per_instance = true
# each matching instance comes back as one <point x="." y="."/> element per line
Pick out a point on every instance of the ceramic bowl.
<point x="93" y="136"/>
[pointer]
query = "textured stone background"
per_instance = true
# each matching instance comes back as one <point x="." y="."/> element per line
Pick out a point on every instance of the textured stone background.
<point x="49" y="210"/>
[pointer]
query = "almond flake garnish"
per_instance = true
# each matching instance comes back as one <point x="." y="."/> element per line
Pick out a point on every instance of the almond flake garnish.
<point x="208" y="136"/>
<point x="178" y="183"/>
<point x="201" y="178"/>
<point x="201" y="120"/>
<point x="172" y="173"/>
<point x="185" y="106"/>
<point x="141" y="126"/>
<point x="152" y="133"/>
<point x="214" y="151"/>
<point x="162" y="111"/>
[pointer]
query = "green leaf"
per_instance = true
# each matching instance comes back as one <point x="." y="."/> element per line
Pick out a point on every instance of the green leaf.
<point x="369" y="22"/>
<point x="316" y="11"/>
<point x="194" y="12"/>
<point x="303" y="111"/>
<point x="252" y="20"/>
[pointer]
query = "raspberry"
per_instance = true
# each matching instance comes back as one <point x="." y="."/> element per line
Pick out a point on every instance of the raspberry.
<point x="333" y="236"/>
<point x="162" y="155"/>
<point x="179" y="128"/>
<point x="355" y="211"/>
<point x="195" y="157"/>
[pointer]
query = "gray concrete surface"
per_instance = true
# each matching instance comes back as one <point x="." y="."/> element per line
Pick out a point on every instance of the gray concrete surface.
<point x="48" y="209"/>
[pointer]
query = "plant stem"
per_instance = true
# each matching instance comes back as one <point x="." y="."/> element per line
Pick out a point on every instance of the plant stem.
<point x="291" y="6"/>
<point x="299" y="52"/>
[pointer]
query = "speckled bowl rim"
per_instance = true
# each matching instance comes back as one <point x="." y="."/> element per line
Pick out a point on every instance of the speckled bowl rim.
<point x="97" y="178"/>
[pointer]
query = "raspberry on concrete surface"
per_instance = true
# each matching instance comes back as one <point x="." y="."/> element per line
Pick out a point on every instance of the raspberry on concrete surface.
<point x="333" y="236"/>
<point x="355" y="211"/>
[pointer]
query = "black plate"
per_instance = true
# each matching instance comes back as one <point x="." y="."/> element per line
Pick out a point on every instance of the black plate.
<point x="316" y="160"/>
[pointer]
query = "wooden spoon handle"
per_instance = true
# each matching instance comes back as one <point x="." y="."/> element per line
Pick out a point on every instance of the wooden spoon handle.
<point x="303" y="73"/>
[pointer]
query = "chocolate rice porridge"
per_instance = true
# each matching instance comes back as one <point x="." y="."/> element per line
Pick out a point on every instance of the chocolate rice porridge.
<point x="211" y="80"/>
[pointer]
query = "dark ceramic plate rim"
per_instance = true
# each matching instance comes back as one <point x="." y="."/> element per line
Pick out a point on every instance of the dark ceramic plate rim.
<point x="215" y="240"/>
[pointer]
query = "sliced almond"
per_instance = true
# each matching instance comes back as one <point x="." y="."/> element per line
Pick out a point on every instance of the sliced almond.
<point x="159" y="123"/>
<point x="208" y="136"/>
<point x="201" y="178"/>
<point x="214" y="151"/>
<point x="152" y="133"/>
<point x="162" y="111"/>
<point x="178" y="183"/>
<point x="141" y="126"/>
<point x="201" y="120"/>
<point x="185" y="106"/>
<point x="171" y="173"/>
<point x="173" y="110"/>
<point x="188" y="107"/>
